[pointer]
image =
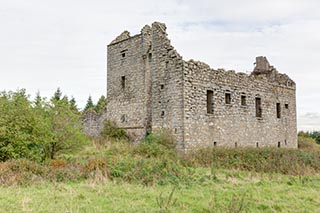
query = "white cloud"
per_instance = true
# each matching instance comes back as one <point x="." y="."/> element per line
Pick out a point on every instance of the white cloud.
<point x="45" y="44"/>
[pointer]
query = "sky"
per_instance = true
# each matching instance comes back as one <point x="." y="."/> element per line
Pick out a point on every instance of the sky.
<point x="62" y="43"/>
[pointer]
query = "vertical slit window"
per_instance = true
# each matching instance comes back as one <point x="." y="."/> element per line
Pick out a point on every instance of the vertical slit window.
<point x="228" y="98"/>
<point x="150" y="57"/>
<point x="123" y="82"/>
<point x="278" y="110"/>
<point x="209" y="101"/>
<point x="243" y="100"/>
<point x="258" y="108"/>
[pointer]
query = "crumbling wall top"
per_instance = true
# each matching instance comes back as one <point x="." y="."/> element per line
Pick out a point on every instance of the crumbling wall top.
<point x="263" y="68"/>
<point x="123" y="36"/>
<point x="160" y="26"/>
<point x="262" y="65"/>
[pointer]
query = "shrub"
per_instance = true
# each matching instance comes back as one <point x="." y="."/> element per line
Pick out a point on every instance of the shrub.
<point x="155" y="144"/>
<point x="285" y="161"/>
<point x="37" y="129"/>
<point x="111" y="131"/>
<point x="307" y="143"/>
<point x="163" y="137"/>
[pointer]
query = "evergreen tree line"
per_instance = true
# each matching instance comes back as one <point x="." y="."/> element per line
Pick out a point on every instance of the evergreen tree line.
<point x="38" y="129"/>
<point x="313" y="134"/>
<point x="99" y="108"/>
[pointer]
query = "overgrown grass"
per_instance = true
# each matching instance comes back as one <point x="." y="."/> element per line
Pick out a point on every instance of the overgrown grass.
<point x="120" y="176"/>
<point x="229" y="191"/>
<point x="155" y="163"/>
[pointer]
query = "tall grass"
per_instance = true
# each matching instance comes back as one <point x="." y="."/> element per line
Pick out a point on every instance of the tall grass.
<point x="155" y="161"/>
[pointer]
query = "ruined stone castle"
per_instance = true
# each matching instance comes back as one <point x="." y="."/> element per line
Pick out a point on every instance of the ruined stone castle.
<point x="150" y="86"/>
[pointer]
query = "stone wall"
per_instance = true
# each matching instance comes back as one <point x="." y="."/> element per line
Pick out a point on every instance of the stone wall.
<point x="152" y="70"/>
<point x="167" y="85"/>
<point x="235" y="124"/>
<point x="127" y="87"/>
<point x="150" y="86"/>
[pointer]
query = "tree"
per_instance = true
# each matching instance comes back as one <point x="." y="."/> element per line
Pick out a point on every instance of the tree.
<point x="38" y="100"/>
<point x="73" y="104"/>
<point x="65" y="99"/>
<point x="57" y="95"/>
<point x="22" y="129"/>
<point x="315" y="135"/>
<point x="101" y="105"/>
<point x="66" y="129"/>
<point x="37" y="129"/>
<point x="89" y="104"/>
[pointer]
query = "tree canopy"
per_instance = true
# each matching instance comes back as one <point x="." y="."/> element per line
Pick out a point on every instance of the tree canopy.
<point x="38" y="129"/>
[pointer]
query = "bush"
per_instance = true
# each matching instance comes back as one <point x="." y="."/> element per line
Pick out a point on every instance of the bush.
<point x="285" y="161"/>
<point x="307" y="143"/>
<point x="37" y="129"/>
<point x="155" y="144"/>
<point x="111" y="131"/>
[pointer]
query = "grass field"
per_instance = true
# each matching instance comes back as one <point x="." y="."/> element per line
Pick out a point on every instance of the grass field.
<point x="222" y="191"/>
<point x="151" y="177"/>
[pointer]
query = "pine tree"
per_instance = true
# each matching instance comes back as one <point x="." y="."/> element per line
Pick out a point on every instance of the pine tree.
<point x="73" y="104"/>
<point x="101" y="105"/>
<point x="57" y="95"/>
<point x="38" y="100"/>
<point x="89" y="104"/>
<point x="65" y="99"/>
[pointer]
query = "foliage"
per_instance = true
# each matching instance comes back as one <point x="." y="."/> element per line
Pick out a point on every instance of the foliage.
<point x="111" y="131"/>
<point x="101" y="105"/>
<point x="89" y="104"/>
<point x="285" y="161"/>
<point x="57" y="95"/>
<point x="307" y="143"/>
<point x="21" y="129"/>
<point x="163" y="137"/>
<point x="66" y="129"/>
<point x="157" y="144"/>
<point x="73" y="104"/>
<point x="37" y="129"/>
<point x="314" y="134"/>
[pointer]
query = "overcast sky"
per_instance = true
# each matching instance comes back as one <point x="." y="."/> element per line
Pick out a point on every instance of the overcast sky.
<point x="62" y="43"/>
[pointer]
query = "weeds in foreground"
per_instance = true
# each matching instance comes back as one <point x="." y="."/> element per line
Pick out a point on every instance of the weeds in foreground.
<point x="164" y="203"/>
<point x="237" y="204"/>
<point x="153" y="163"/>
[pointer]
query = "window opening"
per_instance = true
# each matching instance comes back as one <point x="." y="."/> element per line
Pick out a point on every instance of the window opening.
<point x="162" y="114"/>
<point x="258" y="108"/>
<point x="209" y="101"/>
<point x="123" y="82"/>
<point x="243" y="100"/>
<point x="278" y="110"/>
<point x="228" y="98"/>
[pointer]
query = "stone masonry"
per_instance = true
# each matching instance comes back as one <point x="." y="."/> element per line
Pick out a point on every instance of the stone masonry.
<point x="150" y="86"/>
